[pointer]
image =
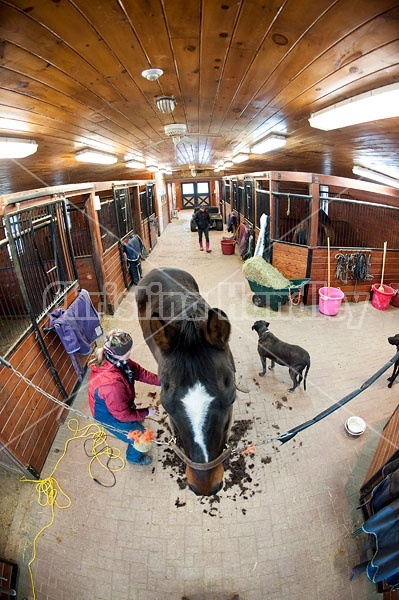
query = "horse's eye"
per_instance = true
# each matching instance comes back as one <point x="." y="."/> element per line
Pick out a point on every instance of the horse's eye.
<point x="227" y="381"/>
<point x="165" y="385"/>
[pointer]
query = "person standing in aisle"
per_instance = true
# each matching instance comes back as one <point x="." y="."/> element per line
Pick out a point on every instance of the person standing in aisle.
<point x="203" y="221"/>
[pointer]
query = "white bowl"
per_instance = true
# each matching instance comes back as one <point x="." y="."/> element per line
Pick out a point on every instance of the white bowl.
<point x="355" y="426"/>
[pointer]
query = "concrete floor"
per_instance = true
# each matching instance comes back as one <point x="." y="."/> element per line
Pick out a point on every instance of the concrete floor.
<point x="284" y="530"/>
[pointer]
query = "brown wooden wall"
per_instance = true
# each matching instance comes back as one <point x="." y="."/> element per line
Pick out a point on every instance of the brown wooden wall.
<point x="298" y="262"/>
<point x="165" y="215"/>
<point x="354" y="291"/>
<point x="114" y="281"/>
<point x="291" y="260"/>
<point x="148" y="236"/>
<point x="28" y="420"/>
<point x="88" y="280"/>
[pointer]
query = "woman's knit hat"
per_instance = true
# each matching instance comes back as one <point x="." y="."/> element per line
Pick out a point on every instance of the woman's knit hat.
<point x="118" y="342"/>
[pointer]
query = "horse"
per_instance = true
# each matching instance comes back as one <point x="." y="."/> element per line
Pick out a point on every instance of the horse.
<point x="190" y="342"/>
<point x="325" y="230"/>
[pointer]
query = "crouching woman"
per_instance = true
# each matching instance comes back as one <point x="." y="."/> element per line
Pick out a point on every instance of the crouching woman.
<point x="112" y="393"/>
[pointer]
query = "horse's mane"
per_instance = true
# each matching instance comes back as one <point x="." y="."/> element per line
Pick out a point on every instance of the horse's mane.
<point x="192" y="354"/>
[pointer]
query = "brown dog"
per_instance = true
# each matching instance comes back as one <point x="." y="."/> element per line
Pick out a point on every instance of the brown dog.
<point x="287" y="355"/>
<point x="394" y="340"/>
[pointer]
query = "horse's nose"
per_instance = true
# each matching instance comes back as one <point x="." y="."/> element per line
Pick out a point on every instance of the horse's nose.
<point x="217" y="488"/>
<point x="211" y="492"/>
<point x="194" y="489"/>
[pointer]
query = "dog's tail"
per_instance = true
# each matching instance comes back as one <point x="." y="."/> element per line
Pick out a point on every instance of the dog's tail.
<point x="306" y="374"/>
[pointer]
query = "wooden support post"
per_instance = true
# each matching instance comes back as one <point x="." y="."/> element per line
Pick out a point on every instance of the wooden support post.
<point x="97" y="248"/>
<point x="274" y="222"/>
<point x="314" y="206"/>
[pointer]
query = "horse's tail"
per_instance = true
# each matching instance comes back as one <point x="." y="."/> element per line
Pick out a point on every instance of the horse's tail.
<point x="306" y="374"/>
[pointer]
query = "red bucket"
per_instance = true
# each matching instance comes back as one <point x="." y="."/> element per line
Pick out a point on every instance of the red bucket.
<point x="395" y="298"/>
<point x="228" y="246"/>
<point x="381" y="299"/>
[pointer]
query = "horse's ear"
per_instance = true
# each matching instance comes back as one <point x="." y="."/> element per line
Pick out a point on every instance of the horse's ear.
<point x="161" y="332"/>
<point x="217" y="329"/>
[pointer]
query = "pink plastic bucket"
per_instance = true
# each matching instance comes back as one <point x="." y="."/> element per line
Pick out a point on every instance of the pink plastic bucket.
<point x="381" y="299"/>
<point x="330" y="299"/>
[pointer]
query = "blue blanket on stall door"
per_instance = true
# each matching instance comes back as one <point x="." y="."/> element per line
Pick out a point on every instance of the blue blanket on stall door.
<point x="384" y="526"/>
<point x="383" y="530"/>
<point x="77" y="327"/>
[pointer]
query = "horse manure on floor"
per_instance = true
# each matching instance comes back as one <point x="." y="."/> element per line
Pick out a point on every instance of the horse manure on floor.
<point x="280" y="404"/>
<point x="179" y="503"/>
<point x="238" y="479"/>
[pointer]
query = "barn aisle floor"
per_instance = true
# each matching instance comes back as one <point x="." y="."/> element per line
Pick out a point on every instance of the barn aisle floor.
<point x="282" y="526"/>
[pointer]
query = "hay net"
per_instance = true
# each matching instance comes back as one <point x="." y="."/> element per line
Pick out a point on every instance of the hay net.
<point x="257" y="269"/>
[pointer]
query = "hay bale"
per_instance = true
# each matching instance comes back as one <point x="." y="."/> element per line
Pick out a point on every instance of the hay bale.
<point x="257" y="269"/>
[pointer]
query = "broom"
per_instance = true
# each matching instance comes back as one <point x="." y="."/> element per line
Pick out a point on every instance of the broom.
<point x="381" y="288"/>
<point x="328" y="266"/>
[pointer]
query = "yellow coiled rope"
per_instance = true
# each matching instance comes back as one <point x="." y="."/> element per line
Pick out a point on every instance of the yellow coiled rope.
<point x="50" y="493"/>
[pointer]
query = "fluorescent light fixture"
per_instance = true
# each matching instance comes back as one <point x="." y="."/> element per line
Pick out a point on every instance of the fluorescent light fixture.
<point x="13" y="124"/>
<point x="240" y="157"/>
<point x="382" y="103"/>
<point x="228" y="163"/>
<point x="269" y="143"/>
<point x="94" y="156"/>
<point x="375" y="176"/>
<point x="152" y="167"/>
<point x="135" y="164"/>
<point x="16" y="148"/>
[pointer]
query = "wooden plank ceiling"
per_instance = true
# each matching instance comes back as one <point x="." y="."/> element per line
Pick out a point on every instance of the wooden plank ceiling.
<point x="71" y="79"/>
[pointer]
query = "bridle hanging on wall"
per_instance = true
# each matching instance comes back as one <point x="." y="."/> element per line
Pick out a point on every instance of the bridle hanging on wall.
<point x="353" y="266"/>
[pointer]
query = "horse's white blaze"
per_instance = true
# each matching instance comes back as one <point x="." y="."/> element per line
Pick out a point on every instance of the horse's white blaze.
<point x="196" y="403"/>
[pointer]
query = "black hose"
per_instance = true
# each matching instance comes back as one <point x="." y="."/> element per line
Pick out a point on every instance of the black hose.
<point x="285" y="437"/>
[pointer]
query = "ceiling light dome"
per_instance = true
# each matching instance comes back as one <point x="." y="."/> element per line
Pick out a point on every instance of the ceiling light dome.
<point x="166" y="104"/>
<point x="152" y="74"/>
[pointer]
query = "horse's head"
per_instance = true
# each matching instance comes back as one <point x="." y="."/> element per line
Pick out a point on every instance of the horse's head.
<point x="196" y="369"/>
